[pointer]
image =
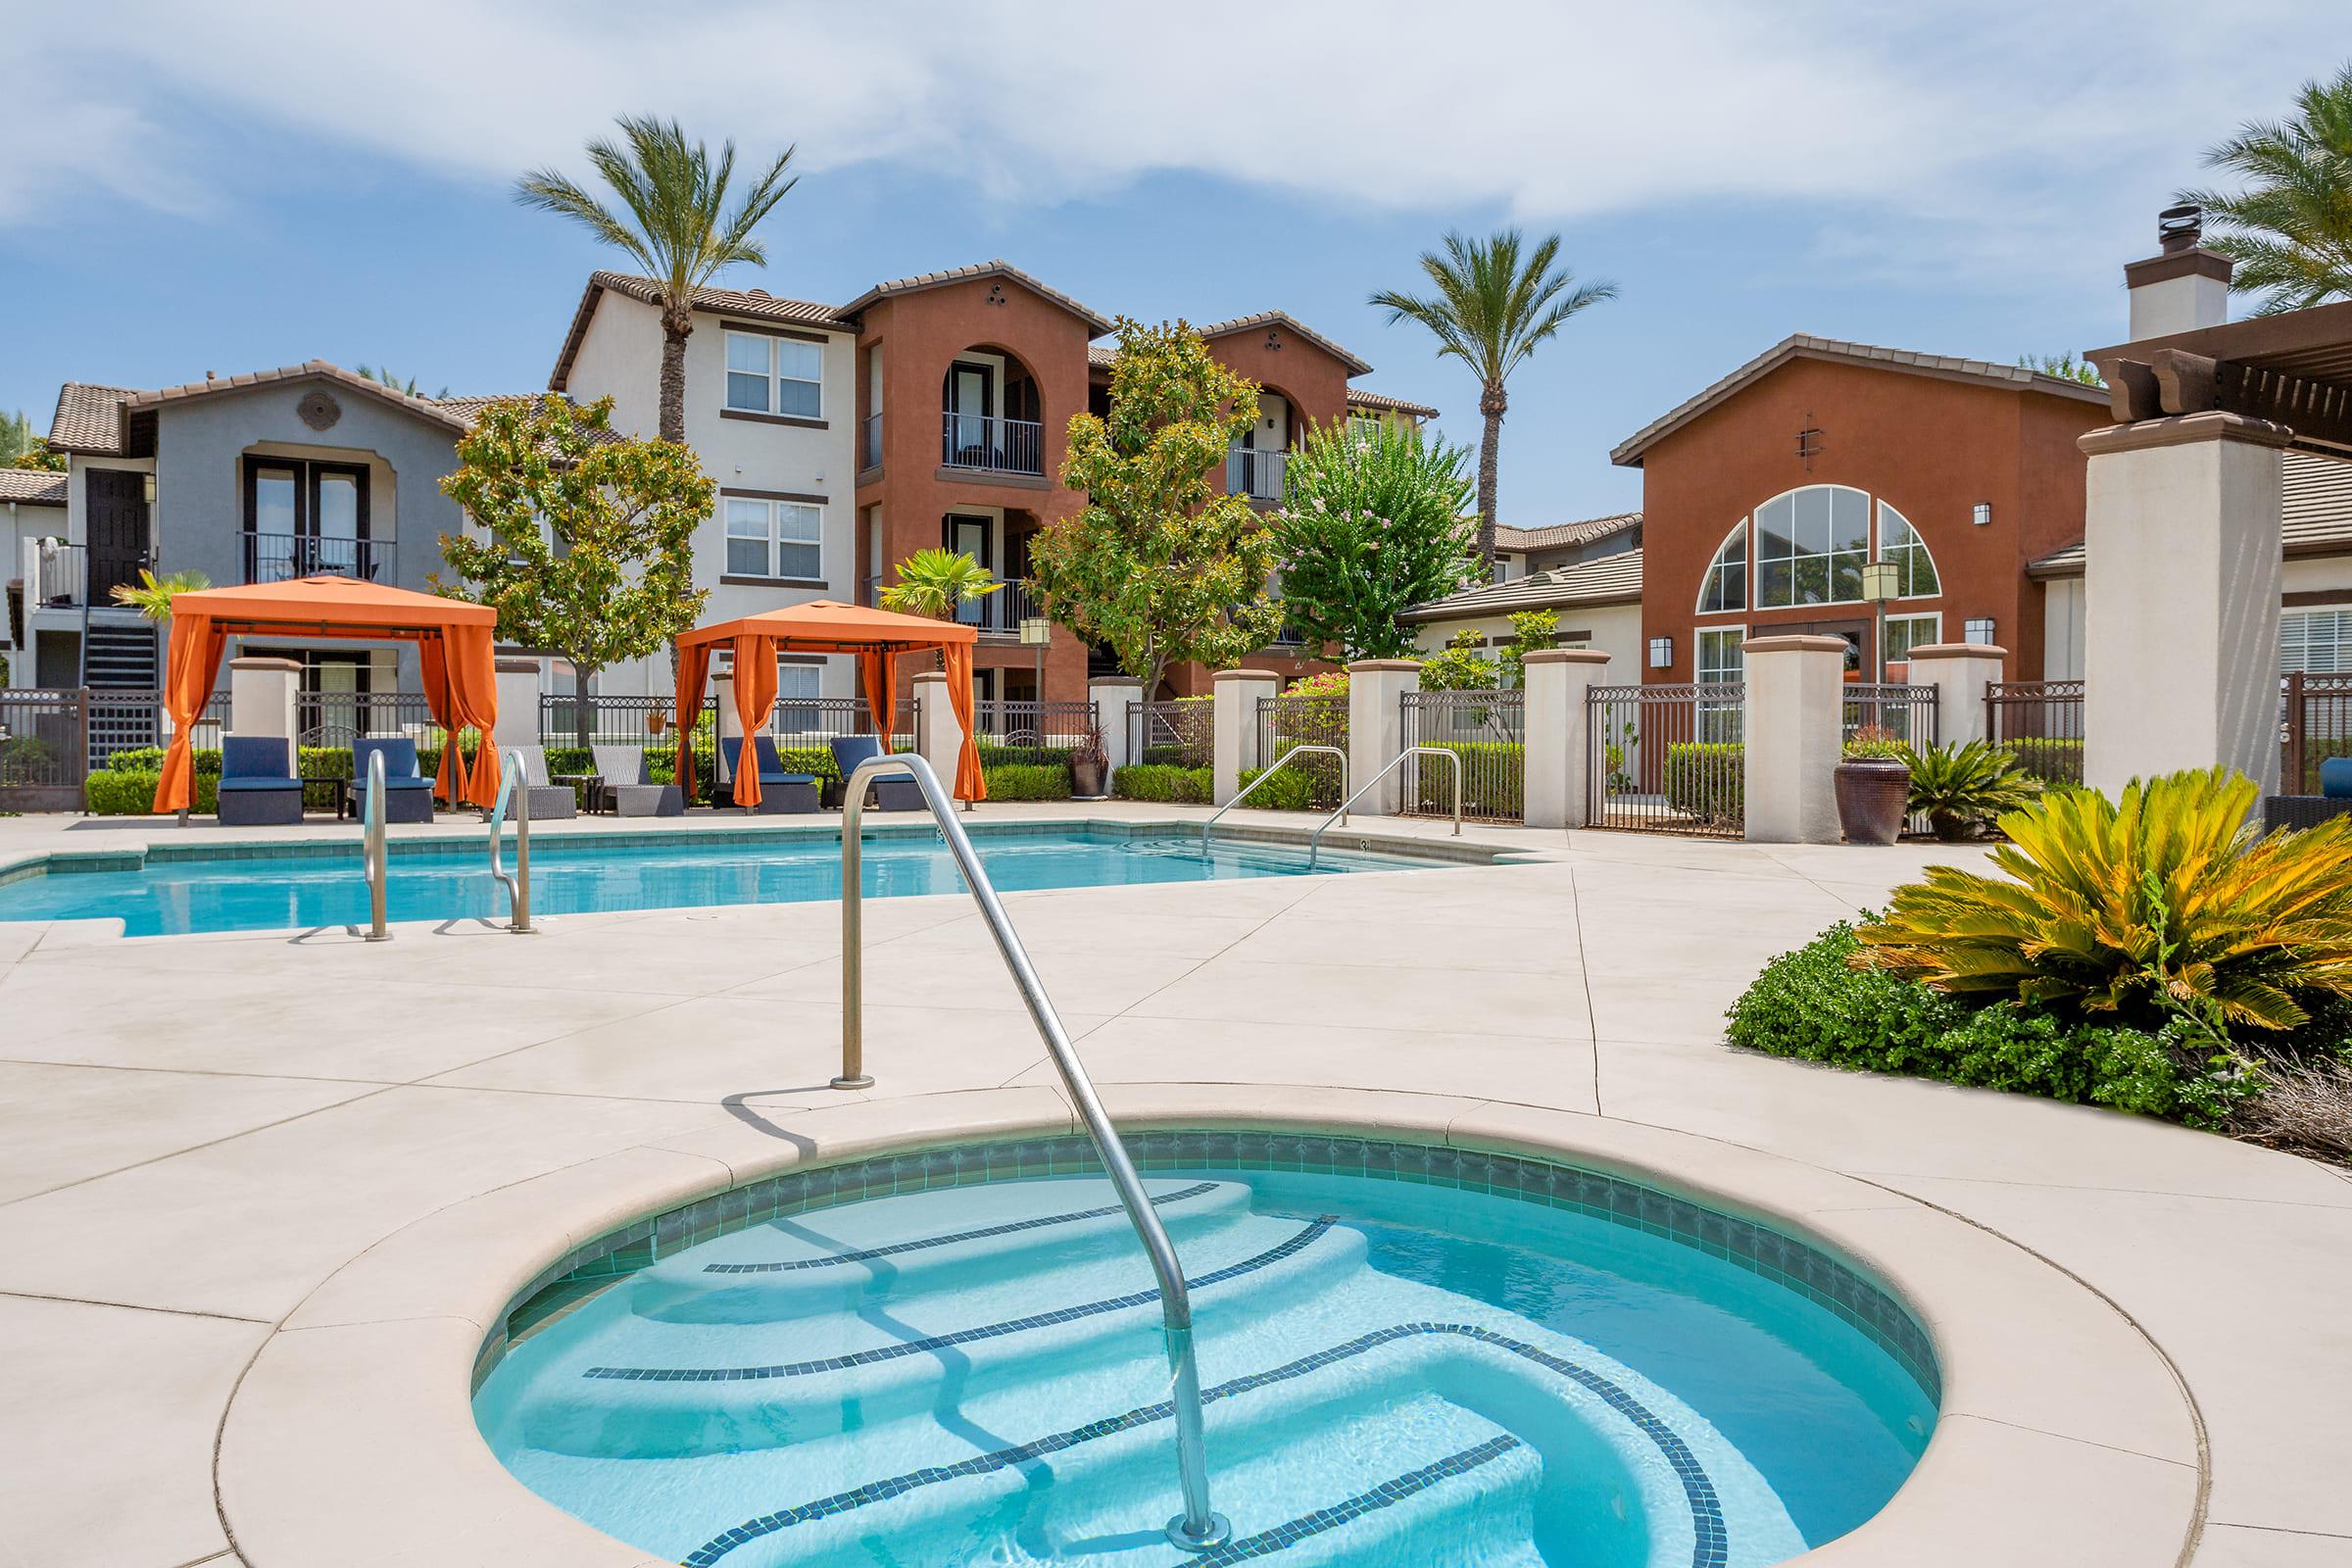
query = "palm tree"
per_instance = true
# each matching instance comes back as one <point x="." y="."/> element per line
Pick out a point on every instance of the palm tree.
<point x="151" y="596"/>
<point x="935" y="582"/>
<point x="1489" y="312"/>
<point x="678" y="229"/>
<point x="2291" y="230"/>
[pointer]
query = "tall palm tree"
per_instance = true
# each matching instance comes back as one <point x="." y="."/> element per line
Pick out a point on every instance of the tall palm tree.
<point x="678" y="227"/>
<point x="1489" y="311"/>
<point x="2291" y="230"/>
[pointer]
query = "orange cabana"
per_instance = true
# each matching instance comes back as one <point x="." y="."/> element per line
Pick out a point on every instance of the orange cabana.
<point x="876" y="636"/>
<point x="453" y="637"/>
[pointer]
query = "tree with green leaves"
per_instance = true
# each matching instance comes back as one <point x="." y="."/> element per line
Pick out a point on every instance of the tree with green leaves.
<point x="1491" y="309"/>
<point x="1162" y="567"/>
<point x="937" y="582"/>
<point x="19" y="448"/>
<point x="1459" y="666"/>
<point x="678" y="227"/>
<point x="1371" y="525"/>
<point x="590" y="547"/>
<point x="2289" y="230"/>
<point x="2064" y="366"/>
<point x="151" y="596"/>
<point x="1531" y="631"/>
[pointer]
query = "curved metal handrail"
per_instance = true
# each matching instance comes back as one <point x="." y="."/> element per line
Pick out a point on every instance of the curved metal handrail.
<point x="1199" y="1528"/>
<point x="1314" y="840"/>
<point x="518" y="882"/>
<point x="372" y="860"/>
<point x="1280" y="762"/>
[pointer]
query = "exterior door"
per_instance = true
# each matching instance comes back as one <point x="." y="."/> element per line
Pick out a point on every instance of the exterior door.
<point x="969" y="536"/>
<point x="118" y="529"/>
<point x="971" y="398"/>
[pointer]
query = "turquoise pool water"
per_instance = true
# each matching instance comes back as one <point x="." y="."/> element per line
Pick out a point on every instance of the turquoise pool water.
<point x="572" y="875"/>
<point x="1413" y="1357"/>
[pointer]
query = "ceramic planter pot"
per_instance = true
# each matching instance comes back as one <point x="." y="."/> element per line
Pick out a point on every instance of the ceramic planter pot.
<point x="1086" y="775"/>
<point x="1872" y="792"/>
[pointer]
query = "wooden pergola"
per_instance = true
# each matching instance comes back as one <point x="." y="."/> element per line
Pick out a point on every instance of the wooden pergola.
<point x="2293" y="370"/>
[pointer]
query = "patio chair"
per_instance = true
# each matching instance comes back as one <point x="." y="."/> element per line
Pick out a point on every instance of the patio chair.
<point x="408" y="793"/>
<point x="549" y="803"/>
<point x="900" y="794"/>
<point x="625" y="785"/>
<point x="781" y="793"/>
<point x="2310" y="811"/>
<point x="257" y="785"/>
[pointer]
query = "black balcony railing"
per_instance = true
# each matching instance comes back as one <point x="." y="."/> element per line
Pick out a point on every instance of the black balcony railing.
<point x="282" y="556"/>
<point x="1001" y="612"/>
<point x="1257" y="474"/>
<point x="994" y="446"/>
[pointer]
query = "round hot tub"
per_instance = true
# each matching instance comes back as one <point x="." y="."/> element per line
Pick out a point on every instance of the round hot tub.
<point x="1410" y="1356"/>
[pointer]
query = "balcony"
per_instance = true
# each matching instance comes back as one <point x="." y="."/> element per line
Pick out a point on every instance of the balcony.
<point x="991" y="446"/>
<point x="1001" y="612"/>
<point x="1257" y="474"/>
<point x="56" y="574"/>
<point x="869" y="441"/>
<point x="284" y="556"/>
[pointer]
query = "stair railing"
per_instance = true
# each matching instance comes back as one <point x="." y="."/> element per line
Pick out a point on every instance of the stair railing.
<point x="1199" y="1528"/>
<point x="372" y="858"/>
<point x="1280" y="762"/>
<point x="510" y="792"/>
<point x="1314" y="841"/>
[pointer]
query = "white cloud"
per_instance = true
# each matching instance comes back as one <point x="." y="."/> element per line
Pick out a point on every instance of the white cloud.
<point x="1962" y="132"/>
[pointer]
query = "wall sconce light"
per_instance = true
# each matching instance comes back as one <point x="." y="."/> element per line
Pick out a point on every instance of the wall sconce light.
<point x="1979" y="632"/>
<point x="147" y="489"/>
<point x="1661" y="653"/>
<point x="1980" y="513"/>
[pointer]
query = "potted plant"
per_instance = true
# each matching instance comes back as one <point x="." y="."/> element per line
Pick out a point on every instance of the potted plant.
<point x="1963" y="788"/>
<point x="1090" y="766"/>
<point x="1874" y="787"/>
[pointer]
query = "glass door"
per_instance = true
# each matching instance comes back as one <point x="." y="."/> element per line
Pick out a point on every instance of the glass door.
<point x="971" y="398"/>
<point x="969" y="536"/>
<point x="338" y="520"/>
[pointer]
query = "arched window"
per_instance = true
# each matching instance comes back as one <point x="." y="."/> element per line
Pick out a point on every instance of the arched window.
<point x="1901" y="544"/>
<point x="1725" y="586"/>
<point x="1811" y="545"/>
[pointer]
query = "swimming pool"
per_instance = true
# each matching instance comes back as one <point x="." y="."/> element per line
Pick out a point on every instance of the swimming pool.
<point x="1411" y="1356"/>
<point x="173" y="890"/>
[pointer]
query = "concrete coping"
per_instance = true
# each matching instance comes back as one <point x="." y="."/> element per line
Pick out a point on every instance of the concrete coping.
<point x="930" y="674"/>
<point x="1565" y="656"/>
<point x="1115" y="680"/>
<point x="1245" y="674"/>
<point x="1957" y="651"/>
<point x="1371" y="666"/>
<point x="519" y="666"/>
<point x="2184" y="429"/>
<point x="266" y="662"/>
<point x="1794" y="643"/>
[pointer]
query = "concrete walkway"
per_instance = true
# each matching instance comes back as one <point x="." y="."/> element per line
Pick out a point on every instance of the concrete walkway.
<point x="197" y="1133"/>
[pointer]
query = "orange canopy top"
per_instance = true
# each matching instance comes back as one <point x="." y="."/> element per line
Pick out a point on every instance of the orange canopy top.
<point x="823" y="627"/>
<point x="342" y="605"/>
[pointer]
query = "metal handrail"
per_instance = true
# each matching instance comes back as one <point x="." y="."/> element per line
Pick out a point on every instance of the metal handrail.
<point x="1280" y="762"/>
<point x="1314" y="840"/>
<point x="1199" y="1528"/>
<point x="518" y="883"/>
<point x="372" y="860"/>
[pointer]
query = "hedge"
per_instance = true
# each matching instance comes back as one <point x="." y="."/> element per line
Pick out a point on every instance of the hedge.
<point x="1494" y="779"/>
<point x="1028" y="781"/>
<point x="1705" y="779"/>
<point x="1163" y="784"/>
<point x="1293" y="790"/>
<point x="114" y="792"/>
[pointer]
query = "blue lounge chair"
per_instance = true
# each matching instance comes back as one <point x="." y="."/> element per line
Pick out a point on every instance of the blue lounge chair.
<point x="780" y="793"/>
<point x="257" y="785"/>
<point x="899" y="793"/>
<point x="408" y="793"/>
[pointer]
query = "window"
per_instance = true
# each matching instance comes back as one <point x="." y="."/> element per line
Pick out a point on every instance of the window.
<point x="1720" y="655"/>
<point x="1725" y="586"/>
<point x="1810" y="547"/>
<point x="796" y="692"/>
<point x="1362" y="430"/>
<point x="775" y="375"/>
<point x="1901" y="544"/>
<point x="2317" y="642"/>
<point x="774" y="538"/>
<point x="1906" y="632"/>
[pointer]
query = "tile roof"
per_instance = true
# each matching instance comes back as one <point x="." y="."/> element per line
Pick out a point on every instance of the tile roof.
<point x="1610" y="580"/>
<point x="308" y="370"/>
<point x="33" y="487"/>
<point x="2314" y="515"/>
<point x="959" y="274"/>
<point x="1508" y="537"/>
<point x="757" y="304"/>
<point x="1360" y="397"/>
<point x="89" y="418"/>
<point x="1805" y="346"/>
<point x="1283" y="318"/>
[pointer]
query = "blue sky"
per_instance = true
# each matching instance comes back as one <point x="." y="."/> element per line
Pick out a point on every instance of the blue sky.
<point x="251" y="184"/>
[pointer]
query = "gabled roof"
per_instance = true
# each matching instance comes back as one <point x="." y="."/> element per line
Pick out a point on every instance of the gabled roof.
<point x="1805" y="346"/>
<point x="1096" y="324"/>
<point x="754" y="304"/>
<point x="91" y="420"/>
<point x="309" y="370"/>
<point x="2314" y="515"/>
<point x="1610" y="580"/>
<point x="1559" y="534"/>
<point x="32" y="487"/>
<point x="1381" y="401"/>
<point x="88" y="418"/>
<point x="1285" y="320"/>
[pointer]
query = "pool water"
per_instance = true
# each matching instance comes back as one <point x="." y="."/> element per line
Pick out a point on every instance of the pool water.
<point x="178" y="893"/>
<point x="1411" y="1357"/>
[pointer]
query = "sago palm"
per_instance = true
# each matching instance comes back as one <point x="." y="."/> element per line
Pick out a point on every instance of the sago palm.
<point x="2291" y="230"/>
<point x="2166" y="901"/>
<point x="678" y="227"/>
<point x="1960" y="787"/>
<point x="1491" y="309"/>
<point x="936" y="582"/>
<point x="151" y="596"/>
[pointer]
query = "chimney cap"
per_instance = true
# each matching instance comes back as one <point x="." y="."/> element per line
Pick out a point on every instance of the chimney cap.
<point x="2179" y="228"/>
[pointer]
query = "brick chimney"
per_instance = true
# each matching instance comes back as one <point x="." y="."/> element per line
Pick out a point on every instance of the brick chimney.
<point x="2182" y="286"/>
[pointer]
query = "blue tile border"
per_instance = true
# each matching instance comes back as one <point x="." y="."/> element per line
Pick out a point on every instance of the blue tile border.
<point x="1386" y="1494"/>
<point x="868" y="1254"/>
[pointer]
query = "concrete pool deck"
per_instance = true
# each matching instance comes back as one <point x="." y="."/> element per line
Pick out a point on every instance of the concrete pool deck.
<point x="250" y="1185"/>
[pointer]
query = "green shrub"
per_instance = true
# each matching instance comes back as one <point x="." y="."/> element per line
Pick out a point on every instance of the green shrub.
<point x="27" y="760"/>
<point x="1028" y="781"/>
<point x="1704" y="779"/>
<point x="993" y="755"/>
<point x="118" y="792"/>
<point x="1494" y="779"/>
<point x="1163" y="784"/>
<point x="1292" y="790"/>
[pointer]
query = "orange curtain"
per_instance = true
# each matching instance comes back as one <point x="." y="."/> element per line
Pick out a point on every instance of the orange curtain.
<point x="460" y="688"/>
<point x="971" y="783"/>
<point x="192" y="666"/>
<point x="693" y="664"/>
<point x="755" y="696"/>
<point x="879" y="672"/>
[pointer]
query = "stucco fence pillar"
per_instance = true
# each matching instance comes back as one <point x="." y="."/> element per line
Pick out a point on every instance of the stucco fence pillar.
<point x="1233" y="726"/>
<point x="518" y="704"/>
<point x="1959" y="672"/>
<point x="260" y="698"/>
<point x="938" y="737"/>
<point x="1559" y="737"/>
<point x="1791" y="735"/>
<point x="1376" y="688"/>
<point x="2181" y="585"/>
<point x="1115" y="699"/>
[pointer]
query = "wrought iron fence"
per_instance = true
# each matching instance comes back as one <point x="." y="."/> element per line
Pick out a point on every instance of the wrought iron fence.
<point x="337" y="718"/>
<point x="1025" y="731"/>
<point x="645" y="722"/>
<point x="2040" y="723"/>
<point x="44" y="748"/>
<point x="1285" y="721"/>
<point x="1905" y="713"/>
<point x="1488" y="732"/>
<point x="133" y="718"/>
<point x="284" y="556"/>
<point x="2315" y="725"/>
<point x="1667" y="759"/>
<point x="1178" y="734"/>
